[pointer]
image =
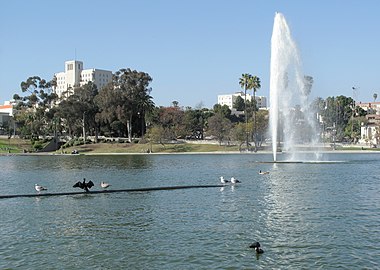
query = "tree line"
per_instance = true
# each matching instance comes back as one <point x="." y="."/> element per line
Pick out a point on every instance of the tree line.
<point x="125" y="108"/>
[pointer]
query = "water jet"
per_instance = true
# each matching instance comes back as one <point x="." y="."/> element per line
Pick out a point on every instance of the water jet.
<point x="292" y="120"/>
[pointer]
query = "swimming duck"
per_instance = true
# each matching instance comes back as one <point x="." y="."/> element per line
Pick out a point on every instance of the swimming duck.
<point x="256" y="246"/>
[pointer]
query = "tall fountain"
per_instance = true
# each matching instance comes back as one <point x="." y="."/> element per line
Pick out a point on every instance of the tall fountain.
<point x="292" y="122"/>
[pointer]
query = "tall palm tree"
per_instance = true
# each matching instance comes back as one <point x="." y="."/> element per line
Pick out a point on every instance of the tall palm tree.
<point x="374" y="97"/>
<point x="144" y="106"/>
<point x="245" y="83"/>
<point x="254" y="84"/>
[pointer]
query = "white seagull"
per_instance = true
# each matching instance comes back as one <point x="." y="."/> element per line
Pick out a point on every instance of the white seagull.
<point x="39" y="188"/>
<point x="223" y="181"/>
<point x="234" y="180"/>
<point x="104" y="185"/>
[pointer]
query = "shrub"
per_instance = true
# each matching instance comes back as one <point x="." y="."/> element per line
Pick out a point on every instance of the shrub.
<point x="37" y="145"/>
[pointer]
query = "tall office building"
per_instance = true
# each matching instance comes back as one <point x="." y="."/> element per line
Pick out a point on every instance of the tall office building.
<point x="75" y="76"/>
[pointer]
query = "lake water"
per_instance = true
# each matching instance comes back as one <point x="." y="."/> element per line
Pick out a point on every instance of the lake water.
<point x="305" y="215"/>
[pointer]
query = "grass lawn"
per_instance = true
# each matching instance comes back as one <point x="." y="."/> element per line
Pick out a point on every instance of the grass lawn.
<point x="145" y="148"/>
<point x="14" y="145"/>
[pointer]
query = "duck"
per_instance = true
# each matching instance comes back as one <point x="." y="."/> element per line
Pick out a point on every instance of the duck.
<point x="39" y="188"/>
<point x="260" y="172"/>
<point x="234" y="180"/>
<point x="256" y="246"/>
<point x="223" y="181"/>
<point x="104" y="185"/>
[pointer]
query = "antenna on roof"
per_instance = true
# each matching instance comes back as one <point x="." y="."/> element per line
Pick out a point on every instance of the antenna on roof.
<point x="75" y="54"/>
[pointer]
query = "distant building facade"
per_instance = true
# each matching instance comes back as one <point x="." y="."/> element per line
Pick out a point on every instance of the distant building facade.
<point x="6" y="113"/>
<point x="75" y="76"/>
<point x="370" y="107"/>
<point x="229" y="100"/>
<point x="7" y="108"/>
<point x="370" y="132"/>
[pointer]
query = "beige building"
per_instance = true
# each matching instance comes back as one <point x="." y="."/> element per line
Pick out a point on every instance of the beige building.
<point x="370" y="107"/>
<point x="369" y="132"/>
<point x="75" y="76"/>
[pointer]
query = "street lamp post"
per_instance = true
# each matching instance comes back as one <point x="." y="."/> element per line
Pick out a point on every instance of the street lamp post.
<point x="9" y="143"/>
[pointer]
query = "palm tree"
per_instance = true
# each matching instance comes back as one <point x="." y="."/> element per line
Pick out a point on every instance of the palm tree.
<point x="254" y="84"/>
<point x="245" y="83"/>
<point x="374" y="97"/>
<point x="144" y="106"/>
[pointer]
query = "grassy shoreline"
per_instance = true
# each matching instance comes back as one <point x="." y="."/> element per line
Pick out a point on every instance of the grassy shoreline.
<point x="15" y="146"/>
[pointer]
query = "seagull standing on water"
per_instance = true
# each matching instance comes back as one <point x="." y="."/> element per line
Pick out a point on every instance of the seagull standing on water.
<point x="234" y="180"/>
<point x="223" y="181"/>
<point x="39" y="188"/>
<point x="104" y="185"/>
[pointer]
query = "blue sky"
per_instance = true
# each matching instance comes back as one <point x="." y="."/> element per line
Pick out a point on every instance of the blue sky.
<point x="193" y="49"/>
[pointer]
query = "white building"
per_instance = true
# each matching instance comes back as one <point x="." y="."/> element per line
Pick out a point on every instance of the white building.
<point x="6" y="113"/>
<point x="75" y="76"/>
<point x="229" y="100"/>
<point x="7" y="108"/>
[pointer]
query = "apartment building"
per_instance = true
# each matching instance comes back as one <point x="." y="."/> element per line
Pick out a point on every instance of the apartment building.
<point x="229" y="100"/>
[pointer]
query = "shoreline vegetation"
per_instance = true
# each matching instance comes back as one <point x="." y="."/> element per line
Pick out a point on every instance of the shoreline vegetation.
<point x="16" y="146"/>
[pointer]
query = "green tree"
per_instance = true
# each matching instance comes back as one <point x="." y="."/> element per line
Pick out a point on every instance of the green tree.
<point x="83" y="108"/>
<point x="255" y="85"/>
<point x="171" y="118"/>
<point x="125" y="97"/>
<point x="238" y="133"/>
<point x="156" y="134"/>
<point x="239" y="103"/>
<point x="144" y="106"/>
<point x="337" y="113"/>
<point x="262" y="125"/>
<point x="194" y="124"/>
<point x="224" y="110"/>
<point x="34" y="105"/>
<point x="245" y="83"/>
<point x="219" y="126"/>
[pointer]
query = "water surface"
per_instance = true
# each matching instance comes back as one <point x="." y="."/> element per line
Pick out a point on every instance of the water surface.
<point x="305" y="215"/>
